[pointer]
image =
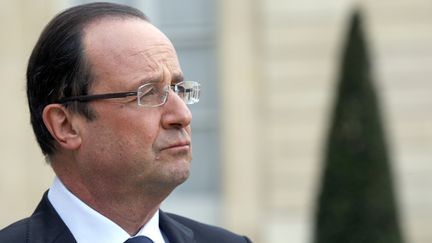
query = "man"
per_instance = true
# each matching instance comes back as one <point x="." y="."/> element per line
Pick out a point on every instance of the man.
<point x="108" y="106"/>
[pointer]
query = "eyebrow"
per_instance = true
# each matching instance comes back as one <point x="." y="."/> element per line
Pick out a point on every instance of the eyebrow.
<point x="177" y="77"/>
<point x="150" y="79"/>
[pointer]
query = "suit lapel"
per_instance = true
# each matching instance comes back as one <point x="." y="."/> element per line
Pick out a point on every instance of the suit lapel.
<point x="46" y="225"/>
<point x="175" y="231"/>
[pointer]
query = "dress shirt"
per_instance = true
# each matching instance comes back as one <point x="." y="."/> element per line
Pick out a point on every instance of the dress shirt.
<point x="89" y="226"/>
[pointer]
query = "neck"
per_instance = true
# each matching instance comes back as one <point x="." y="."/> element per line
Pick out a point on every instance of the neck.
<point x="129" y="209"/>
<point x="129" y="212"/>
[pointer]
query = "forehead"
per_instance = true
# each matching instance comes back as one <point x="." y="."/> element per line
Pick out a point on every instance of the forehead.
<point x="128" y="50"/>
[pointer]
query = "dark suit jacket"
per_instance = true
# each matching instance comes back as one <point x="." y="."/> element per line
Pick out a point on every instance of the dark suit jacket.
<point x="46" y="226"/>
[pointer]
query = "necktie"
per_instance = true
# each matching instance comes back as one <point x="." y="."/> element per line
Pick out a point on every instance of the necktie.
<point x="139" y="239"/>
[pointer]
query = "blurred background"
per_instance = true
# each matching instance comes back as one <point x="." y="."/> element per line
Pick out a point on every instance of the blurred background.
<point x="269" y="72"/>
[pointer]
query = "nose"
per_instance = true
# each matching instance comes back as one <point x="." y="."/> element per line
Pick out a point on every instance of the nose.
<point x="176" y="113"/>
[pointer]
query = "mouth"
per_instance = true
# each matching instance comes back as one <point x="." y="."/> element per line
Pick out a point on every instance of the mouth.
<point x="185" y="145"/>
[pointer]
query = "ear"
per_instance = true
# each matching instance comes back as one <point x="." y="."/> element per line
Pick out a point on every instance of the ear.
<point x="60" y="124"/>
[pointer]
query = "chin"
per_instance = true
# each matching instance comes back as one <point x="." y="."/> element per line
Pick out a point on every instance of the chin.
<point x="178" y="172"/>
<point x="182" y="174"/>
<point x="181" y="179"/>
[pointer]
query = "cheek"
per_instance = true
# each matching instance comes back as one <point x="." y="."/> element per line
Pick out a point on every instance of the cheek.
<point x="136" y="128"/>
<point x="189" y="130"/>
<point x="124" y="127"/>
<point x="145" y="125"/>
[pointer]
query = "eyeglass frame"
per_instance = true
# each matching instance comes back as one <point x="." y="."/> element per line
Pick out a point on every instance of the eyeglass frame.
<point x="89" y="98"/>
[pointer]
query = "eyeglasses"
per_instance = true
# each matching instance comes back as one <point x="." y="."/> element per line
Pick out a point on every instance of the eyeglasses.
<point x="149" y="94"/>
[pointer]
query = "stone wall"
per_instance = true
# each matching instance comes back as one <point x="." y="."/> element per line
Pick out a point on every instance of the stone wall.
<point x="279" y="63"/>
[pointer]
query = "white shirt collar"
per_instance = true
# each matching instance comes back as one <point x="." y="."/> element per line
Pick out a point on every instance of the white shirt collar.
<point x="89" y="226"/>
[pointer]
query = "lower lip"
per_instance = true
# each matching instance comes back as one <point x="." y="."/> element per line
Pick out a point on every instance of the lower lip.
<point x="178" y="148"/>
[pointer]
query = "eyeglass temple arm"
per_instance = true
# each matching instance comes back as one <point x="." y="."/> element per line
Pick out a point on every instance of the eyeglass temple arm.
<point x="86" y="98"/>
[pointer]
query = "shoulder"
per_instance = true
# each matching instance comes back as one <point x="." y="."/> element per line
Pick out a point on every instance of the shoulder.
<point x="204" y="232"/>
<point x="15" y="232"/>
<point x="43" y="226"/>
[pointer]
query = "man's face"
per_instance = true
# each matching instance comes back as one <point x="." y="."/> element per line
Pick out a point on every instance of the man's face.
<point x="127" y="146"/>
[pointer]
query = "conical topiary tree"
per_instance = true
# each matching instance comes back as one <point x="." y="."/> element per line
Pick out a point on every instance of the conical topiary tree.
<point x="356" y="203"/>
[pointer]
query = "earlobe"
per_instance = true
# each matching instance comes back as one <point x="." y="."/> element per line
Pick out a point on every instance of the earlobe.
<point x="59" y="123"/>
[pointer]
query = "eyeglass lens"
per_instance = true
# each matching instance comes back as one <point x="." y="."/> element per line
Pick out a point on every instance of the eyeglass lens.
<point x="189" y="91"/>
<point x="153" y="95"/>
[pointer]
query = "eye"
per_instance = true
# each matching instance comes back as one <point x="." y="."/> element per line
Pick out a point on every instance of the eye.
<point x="147" y="91"/>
